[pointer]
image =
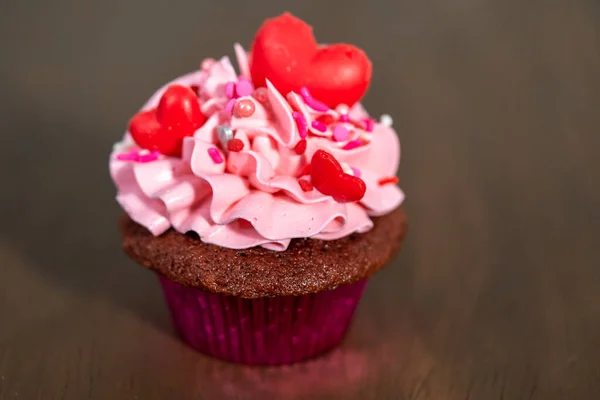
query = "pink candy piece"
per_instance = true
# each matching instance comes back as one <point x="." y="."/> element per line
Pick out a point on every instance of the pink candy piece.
<point x="356" y="172"/>
<point x="229" y="106"/>
<point x="230" y="90"/>
<point x="318" y="125"/>
<point x="312" y="102"/>
<point x="207" y="63"/>
<point x="302" y="125"/>
<point x="144" y="158"/>
<point x="344" y="118"/>
<point x="215" y="155"/>
<point x="352" y="144"/>
<point x="131" y="156"/>
<point x="369" y="124"/>
<point x="243" y="87"/>
<point x="340" y="133"/>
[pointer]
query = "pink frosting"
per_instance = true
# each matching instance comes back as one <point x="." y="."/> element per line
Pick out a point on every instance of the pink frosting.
<point x="254" y="198"/>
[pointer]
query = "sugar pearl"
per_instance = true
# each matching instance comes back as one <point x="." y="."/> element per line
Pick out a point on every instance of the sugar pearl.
<point x="244" y="108"/>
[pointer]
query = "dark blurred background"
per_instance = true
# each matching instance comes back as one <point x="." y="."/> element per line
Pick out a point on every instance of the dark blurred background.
<point x="495" y="294"/>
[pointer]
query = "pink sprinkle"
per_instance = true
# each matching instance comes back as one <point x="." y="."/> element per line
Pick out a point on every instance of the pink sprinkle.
<point x="229" y="106"/>
<point x="215" y="155"/>
<point x="144" y="158"/>
<point x="352" y="144"/>
<point x="344" y="118"/>
<point x="230" y="90"/>
<point x="356" y="172"/>
<point x="244" y="87"/>
<point x="312" y="102"/>
<point x="340" y="133"/>
<point x="368" y="124"/>
<point x="301" y="122"/>
<point x="207" y="63"/>
<point x="131" y="156"/>
<point x="318" y="125"/>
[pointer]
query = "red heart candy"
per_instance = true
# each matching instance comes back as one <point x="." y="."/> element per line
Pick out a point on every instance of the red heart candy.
<point x="328" y="178"/>
<point x="163" y="128"/>
<point x="286" y="53"/>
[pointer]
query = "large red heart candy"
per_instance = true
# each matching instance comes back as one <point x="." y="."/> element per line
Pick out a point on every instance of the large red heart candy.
<point x="328" y="177"/>
<point x="163" y="128"/>
<point x="286" y="53"/>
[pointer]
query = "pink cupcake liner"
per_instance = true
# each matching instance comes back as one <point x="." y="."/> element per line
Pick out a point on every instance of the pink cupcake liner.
<point x="270" y="330"/>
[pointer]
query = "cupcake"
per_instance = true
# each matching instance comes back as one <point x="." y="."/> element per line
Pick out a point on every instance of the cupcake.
<point x="263" y="199"/>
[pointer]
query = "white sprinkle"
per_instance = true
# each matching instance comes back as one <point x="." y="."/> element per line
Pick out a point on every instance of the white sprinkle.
<point x="386" y="120"/>
<point x="225" y="134"/>
<point x="144" y="152"/>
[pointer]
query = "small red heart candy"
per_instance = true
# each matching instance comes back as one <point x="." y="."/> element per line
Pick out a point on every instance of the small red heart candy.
<point x="163" y="128"/>
<point x="286" y="53"/>
<point x="328" y="177"/>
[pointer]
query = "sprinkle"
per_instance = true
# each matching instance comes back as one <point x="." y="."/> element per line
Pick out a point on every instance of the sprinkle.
<point x="369" y="124"/>
<point x="312" y="102"/>
<point x="387" y="180"/>
<point x="342" y="109"/>
<point x="344" y="118"/>
<point x="300" y="147"/>
<point x="196" y="89"/>
<point x="131" y="156"/>
<point x="261" y="95"/>
<point x="207" y="63"/>
<point x="215" y="155"/>
<point x="386" y="120"/>
<point x="356" y="172"/>
<point x="301" y="122"/>
<point x="352" y="144"/>
<point x="244" y="108"/>
<point x="225" y="134"/>
<point x="230" y="90"/>
<point x="305" y="185"/>
<point x="340" y="133"/>
<point x="229" y="106"/>
<point x="235" y="145"/>
<point x="150" y="156"/>
<point x="318" y="125"/>
<point x="243" y="87"/>
<point x="326" y="119"/>
<point x="305" y="171"/>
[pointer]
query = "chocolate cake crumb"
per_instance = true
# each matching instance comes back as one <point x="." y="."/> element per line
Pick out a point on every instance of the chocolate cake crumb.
<point x="307" y="266"/>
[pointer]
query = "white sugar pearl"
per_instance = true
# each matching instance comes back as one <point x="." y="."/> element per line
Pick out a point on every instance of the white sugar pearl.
<point x="386" y="120"/>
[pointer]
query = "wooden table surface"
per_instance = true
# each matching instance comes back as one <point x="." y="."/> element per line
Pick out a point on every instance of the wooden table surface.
<point x="496" y="294"/>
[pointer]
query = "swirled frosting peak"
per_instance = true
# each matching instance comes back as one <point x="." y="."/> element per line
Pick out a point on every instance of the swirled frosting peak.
<point x="257" y="167"/>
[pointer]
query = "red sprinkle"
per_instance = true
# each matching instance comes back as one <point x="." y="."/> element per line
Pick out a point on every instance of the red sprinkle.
<point x="388" y="180"/>
<point x="369" y="124"/>
<point x="305" y="185"/>
<point x="196" y="89"/>
<point x="352" y="144"/>
<point x="235" y="145"/>
<point x="300" y="147"/>
<point x="215" y="155"/>
<point x="326" y="119"/>
<point x="344" y="118"/>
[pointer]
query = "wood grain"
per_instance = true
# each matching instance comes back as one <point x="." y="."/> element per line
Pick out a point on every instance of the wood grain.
<point x="495" y="295"/>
